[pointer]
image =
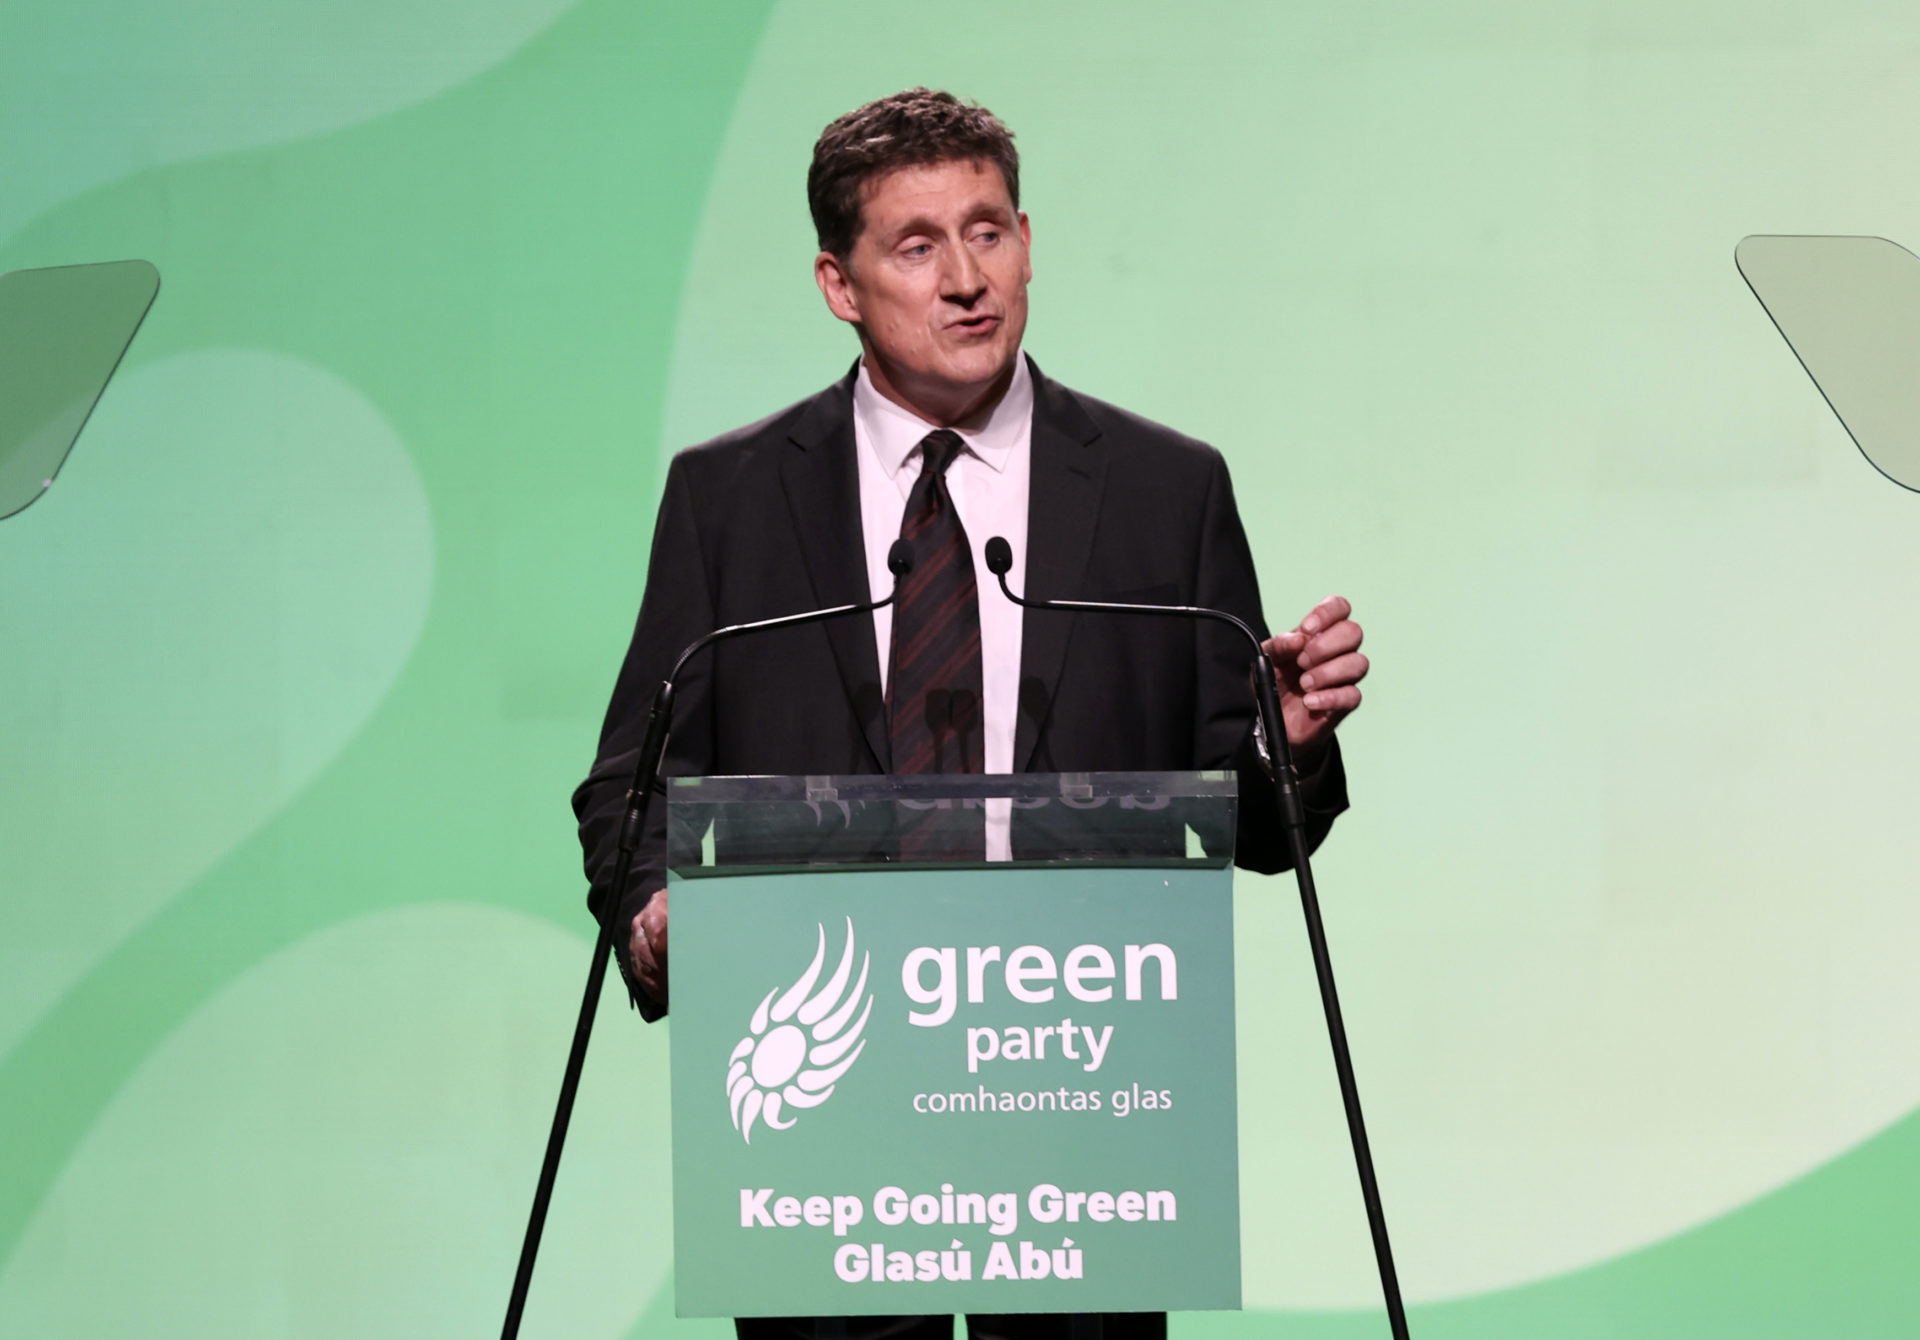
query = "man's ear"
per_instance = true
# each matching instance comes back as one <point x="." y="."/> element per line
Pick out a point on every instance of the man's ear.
<point x="1026" y="242"/>
<point x="836" y="286"/>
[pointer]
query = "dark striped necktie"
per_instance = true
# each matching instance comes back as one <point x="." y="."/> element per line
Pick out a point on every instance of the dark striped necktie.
<point x="933" y="685"/>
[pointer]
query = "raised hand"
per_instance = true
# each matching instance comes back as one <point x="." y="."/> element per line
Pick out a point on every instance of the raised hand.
<point x="1319" y="667"/>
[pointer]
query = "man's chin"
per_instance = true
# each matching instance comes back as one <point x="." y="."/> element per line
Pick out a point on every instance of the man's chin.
<point x="980" y="368"/>
<point x="966" y="382"/>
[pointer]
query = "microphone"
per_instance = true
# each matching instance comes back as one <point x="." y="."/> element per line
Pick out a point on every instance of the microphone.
<point x="646" y="775"/>
<point x="646" y="779"/>
<point x="899" y="563"/>
<point x="1278" y="761"/>
<point x="1279" y="766"/>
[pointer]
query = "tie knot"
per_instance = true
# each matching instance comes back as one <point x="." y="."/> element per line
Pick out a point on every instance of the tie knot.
<point x="938" y="450"/>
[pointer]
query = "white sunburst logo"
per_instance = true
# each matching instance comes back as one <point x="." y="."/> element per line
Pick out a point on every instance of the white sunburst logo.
<point x="776" y="1067"/>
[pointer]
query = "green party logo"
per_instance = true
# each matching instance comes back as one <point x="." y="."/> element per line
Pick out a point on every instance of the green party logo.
<point x="776" y="1067"/>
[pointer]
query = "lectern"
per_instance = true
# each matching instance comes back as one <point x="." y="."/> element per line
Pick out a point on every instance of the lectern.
<point x="953" y="1044"/>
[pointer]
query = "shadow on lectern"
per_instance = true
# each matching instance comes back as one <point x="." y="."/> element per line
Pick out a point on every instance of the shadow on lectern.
<point x="1849" y="307"/>
<point x="63" y="330"/>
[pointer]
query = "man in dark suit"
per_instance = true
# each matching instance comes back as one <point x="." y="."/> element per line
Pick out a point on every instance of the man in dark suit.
<point x="946" y="435"/>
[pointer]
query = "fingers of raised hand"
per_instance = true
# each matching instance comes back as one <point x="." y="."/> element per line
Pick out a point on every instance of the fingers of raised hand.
<point x="1326" y="614"/>
<point x="1349" y="668"/>
<point x="1282" y="651"/>
<point x="1332" y="702"/>
<point x="1339" y="640"/>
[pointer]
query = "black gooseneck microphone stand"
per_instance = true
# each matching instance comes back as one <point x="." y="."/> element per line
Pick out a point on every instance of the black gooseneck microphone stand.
<point x="1294" y="816"/>
<point x="646" y="778"/>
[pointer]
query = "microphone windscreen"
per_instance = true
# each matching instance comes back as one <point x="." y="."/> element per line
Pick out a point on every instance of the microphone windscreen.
<point x="999" y="556"/>
<point x="900" y="558"/>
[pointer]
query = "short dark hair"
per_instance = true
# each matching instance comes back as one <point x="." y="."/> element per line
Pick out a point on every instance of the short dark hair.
<point x="914" y="128"/>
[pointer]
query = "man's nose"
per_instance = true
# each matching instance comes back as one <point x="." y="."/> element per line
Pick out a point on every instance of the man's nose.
<point x="961" y="278"/>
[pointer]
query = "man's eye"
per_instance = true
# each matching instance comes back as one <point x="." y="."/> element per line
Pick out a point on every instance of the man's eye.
<point x="990" y="236"/>
<point x="917" y="250"/>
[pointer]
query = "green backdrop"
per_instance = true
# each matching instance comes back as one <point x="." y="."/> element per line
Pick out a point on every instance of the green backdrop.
<point x="305" y="650"/>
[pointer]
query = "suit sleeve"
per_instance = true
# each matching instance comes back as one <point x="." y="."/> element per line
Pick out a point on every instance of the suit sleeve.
<point x="1223" y="728"/>
<point x="676" y="608"/>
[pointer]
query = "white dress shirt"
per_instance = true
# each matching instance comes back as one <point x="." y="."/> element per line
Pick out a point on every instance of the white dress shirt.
<point x="989" y="485"/>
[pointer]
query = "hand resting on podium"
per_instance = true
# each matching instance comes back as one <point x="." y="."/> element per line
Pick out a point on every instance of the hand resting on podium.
<point x="648" y="947"/>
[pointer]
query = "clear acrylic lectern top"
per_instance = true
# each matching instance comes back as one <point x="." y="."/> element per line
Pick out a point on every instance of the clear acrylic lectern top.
<point x="741" y="825"/>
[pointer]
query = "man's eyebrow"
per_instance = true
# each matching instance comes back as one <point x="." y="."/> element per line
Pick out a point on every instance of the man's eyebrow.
<point x="919" y="223"/>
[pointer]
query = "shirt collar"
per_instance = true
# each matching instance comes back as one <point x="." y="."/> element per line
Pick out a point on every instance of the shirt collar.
<point x="892" y="431"/>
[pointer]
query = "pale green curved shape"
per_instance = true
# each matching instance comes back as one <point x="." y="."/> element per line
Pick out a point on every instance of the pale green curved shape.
<point x="218" y="596"/>
<point x="299" y="1158"/>
<point x="414" y="257"/>
<point x="1447" y="285"/>
<point x="219" y="75"/>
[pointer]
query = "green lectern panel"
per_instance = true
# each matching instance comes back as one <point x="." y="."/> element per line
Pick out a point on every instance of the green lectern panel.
<point x="952" y="1090"/>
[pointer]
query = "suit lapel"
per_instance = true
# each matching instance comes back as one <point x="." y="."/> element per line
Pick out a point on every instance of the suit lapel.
<point x="821" y="477"/>
<point x="1068" y="476"/>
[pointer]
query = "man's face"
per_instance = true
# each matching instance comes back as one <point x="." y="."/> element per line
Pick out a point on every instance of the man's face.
<point x="937" y="283"/>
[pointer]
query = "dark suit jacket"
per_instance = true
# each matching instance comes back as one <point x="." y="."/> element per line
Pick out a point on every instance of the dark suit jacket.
<point x="766" y="521"/>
